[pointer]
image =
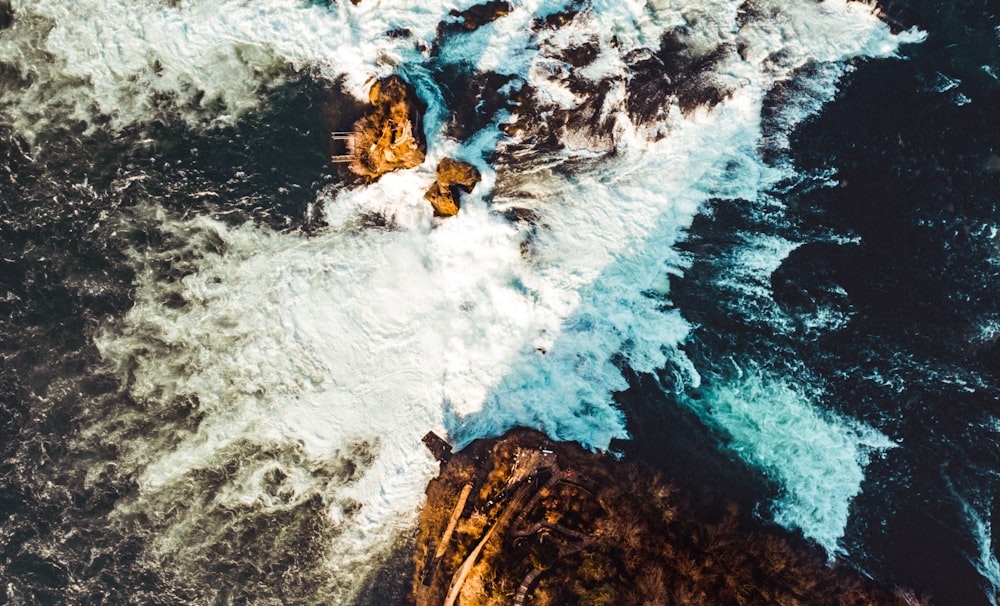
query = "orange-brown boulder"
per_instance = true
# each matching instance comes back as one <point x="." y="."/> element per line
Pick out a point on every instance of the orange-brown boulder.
<point x="453" y="177"/>
<point x="391" y="137"/>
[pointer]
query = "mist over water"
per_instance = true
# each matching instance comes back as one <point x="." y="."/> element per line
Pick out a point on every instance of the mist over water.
<point x="257" y="348"/>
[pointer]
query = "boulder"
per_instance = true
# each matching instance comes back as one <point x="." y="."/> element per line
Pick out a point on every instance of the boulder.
<point x="471" y="19"/>
<point x="391" y="137"/>
<point x="477" y="16"/>
<point x="453" y="177"/>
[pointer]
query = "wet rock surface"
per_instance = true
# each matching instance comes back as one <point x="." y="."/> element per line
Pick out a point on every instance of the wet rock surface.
<point x="582" y="55"/>
<point x="674" y="71"/>
<point x="476" y="99"/>
<point x="391" y="137"/>
<point x="525" y="520"/>
<point x="481" y="14"/>
<point x="475" y="17"/>
<point x="453" y="177"/>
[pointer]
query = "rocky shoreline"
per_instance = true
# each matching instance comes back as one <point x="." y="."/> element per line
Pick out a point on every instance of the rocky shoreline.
<point x="522" y="519"/>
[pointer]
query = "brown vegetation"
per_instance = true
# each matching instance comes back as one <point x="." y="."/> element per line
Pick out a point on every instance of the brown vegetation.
<point x="585" y="529"/>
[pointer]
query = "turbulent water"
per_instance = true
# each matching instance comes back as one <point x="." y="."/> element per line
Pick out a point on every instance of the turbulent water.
<point x="753" y="243"/>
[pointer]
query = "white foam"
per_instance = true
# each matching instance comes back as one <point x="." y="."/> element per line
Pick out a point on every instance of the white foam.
<point x="213" y="58"/>
<point x="818" y="458"/>
<point x="755" y="260"/>
<point x="984" y="559"/>
<point x="986" y="562"/>
<point x="118" y="59"/>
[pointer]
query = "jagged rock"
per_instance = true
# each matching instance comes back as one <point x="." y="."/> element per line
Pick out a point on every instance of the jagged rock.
<point x="557" y="20"/>
<point x="391" y="137"/>
<point x="582" y="55"/>
<point x="470" y="20"/>
<point x="551" y="523"/>
<point x="477" y="16"/>
<point x="453" y="176"/>
<point x="478" y="97"/>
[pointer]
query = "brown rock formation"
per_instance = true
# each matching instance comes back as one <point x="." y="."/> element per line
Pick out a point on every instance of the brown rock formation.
<point x="453" y="176"/>
<point x="391" y="137"/>
<point x="524" y="520"/>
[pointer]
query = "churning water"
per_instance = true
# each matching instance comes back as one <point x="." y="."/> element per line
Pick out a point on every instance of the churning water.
<point x="219" y="356"/>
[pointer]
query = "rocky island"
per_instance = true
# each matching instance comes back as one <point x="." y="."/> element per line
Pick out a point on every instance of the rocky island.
<point x="524" y="520"/>
<point x="391" y="136"/>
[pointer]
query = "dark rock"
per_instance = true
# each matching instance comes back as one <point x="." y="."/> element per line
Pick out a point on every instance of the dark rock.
<point x="391" y="137"/>
<point x="588" y="122"/>
<point x="470" y="20"/>
<point x="747" y="12"/>
<point x="376" y="220"/>
<point x="476" y="101"/>
<point x="399" y="32"/>
<point x="517" y="214"/>
<point x="453" y="177"/>
<point x="438" y="446"/>
<point x="477" y="16"/>
<point x="583" y="55"/>
<point x="673" y="72"/>
<point x="557" y="20"/>
<point x="650" y="88"/>
<point x="697" y="88"/>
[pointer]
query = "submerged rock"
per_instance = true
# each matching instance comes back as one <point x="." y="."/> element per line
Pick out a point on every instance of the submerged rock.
<point x="524" y="520"/>
<point x="583" y="54"/>
<point x="476" y="99"/>
<point x="391" y="137"/>
<point x="559" y="19"/>
<point x="453" y="177"/>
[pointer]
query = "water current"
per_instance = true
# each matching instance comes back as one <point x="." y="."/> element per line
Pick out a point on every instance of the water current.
<point x="752" y="243"/>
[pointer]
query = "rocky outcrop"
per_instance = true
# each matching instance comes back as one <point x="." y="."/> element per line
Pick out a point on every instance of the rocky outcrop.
<point x="453" y="177"/>
<point x="391" y="137"/>
<point x="523" y="519"/>
<point x="479" y="97"/>
<point x="583" y="54"/>
<point x="470" y="20"/>
<point x="477" y="16"/>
